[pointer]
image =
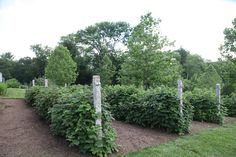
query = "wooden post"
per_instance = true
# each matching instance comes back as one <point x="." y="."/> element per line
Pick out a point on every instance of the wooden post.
<point x="33" y="83"/>
<point x="97" y="101"/>
<point x="46" y="82"/>
<point x="218" y="95"/>
<point x="180" y="96"/>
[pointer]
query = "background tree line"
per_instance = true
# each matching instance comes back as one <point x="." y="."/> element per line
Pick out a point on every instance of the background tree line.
<point x="138" y="55"/>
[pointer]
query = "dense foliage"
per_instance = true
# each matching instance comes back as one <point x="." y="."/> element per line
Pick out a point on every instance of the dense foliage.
<point x="146" y="64"/>
<point x="13" y="83"/>
<point x="152" y="108"/>
<point x="122" y="54"/>
<point x="228" y="49"/>
<point x="61" y="69"/>
<point x="209" y="78"/>
<point x="71" y="114"/>
<point x="230" y="104"/>
<point x="3" y="88"/>
<point x="205" y="106"/>
<point x="44" y="101"/>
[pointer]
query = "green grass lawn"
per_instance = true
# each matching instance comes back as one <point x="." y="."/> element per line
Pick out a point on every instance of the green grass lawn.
<point x="15" y="93"/>
<point x="218" y="142"/>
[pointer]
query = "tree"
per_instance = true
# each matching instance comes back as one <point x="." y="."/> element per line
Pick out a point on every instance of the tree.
<point x="24" y="70"/>
<point x="104" y="38"/>
<point x="7" y="56"/>
<point x="209" y="78"/>
<point x="181" y="56"/>
<point x="6" y="64"/>
<point x="146" y="63"/>
<point x="106" y="71"/>
<point x="194" y="65"/>
<point x="227" y="70"/>
<point x="61" y="68"/>
<point x="83" y="60"/>
<point x="228" y="49"/>
<point x="42" y="54"/>
<point x="70" y="43"/>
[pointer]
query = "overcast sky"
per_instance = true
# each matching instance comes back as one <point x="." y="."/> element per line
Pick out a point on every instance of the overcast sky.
<point x="196" y="25"/>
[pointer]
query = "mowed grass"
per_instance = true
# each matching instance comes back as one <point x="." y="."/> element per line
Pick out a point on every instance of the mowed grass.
<point x="15" y="93"/>
<point x="218" y="142"/>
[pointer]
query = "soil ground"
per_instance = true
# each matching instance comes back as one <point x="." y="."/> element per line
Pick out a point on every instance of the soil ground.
<point x="24" y="134"/>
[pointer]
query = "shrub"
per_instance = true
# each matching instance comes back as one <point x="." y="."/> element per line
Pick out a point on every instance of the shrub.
<point x="44" y="100"/>
<point x="120" y="98"/>
<point x="73" y="116"/>
<point x="3" y="88"/>
<point x="156" y="108"/>
<point x="205" y="106"/>
<point x="13" y="83"/>
<point x="230" y="103"/>
<point x="30" y="95"/>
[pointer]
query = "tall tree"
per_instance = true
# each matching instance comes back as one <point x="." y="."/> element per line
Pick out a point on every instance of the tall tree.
<point x="104" y="38"/>
<point x="181" y="56"/>
<point x="24" y="70"/>
<point x="227" y="70"/>
<point x="146" y="64"/>
<point x="6" y="64"/>
<point x="209" y="78"/>
<point x="70" y="43"/>
<point x="194" y="65"/>
<point x="83" y="60"/>
<point x="106" y="71"/>
<point x="61" y="68"/>
<point x="42" y="54"/>
<point x="228" y="49"/>
<point x="7" y="56"/>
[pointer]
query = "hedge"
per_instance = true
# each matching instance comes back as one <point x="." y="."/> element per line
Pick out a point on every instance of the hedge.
<point x="13" y="83"/>
<point x="3" y="88"/>
<point x="229" y="102"/>
<point x="71" y="114"/>
<point x="205" y="106"/>
<point x="151" y="108"/>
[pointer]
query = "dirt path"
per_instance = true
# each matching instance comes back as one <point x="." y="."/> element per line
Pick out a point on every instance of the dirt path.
<point x="24" y="134"/>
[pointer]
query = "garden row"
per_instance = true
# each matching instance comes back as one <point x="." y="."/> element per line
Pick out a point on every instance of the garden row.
<point x="160" y="107"/>
<point x="71" y="114"/>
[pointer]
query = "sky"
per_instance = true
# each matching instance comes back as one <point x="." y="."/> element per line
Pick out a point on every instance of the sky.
<point x="196" y="25"/>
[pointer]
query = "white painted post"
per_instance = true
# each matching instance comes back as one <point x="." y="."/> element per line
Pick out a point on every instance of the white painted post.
<point x="97" y="101"/>
<point x="46" y="82"/>
<point x="218" y="95"/>
<point x="65" y="85"/>
<point x="33" y="83"/>
<point x="180" y="96"/>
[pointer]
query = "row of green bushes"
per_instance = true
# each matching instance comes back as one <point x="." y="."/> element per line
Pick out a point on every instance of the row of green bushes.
<point x="157" y="108"/>
<point x="71" y="114"/>
<point x="230" y="104"/>
<point x="205" y="106"/>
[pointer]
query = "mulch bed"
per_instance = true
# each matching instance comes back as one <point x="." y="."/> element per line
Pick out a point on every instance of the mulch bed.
<point x="24" y="134"/>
